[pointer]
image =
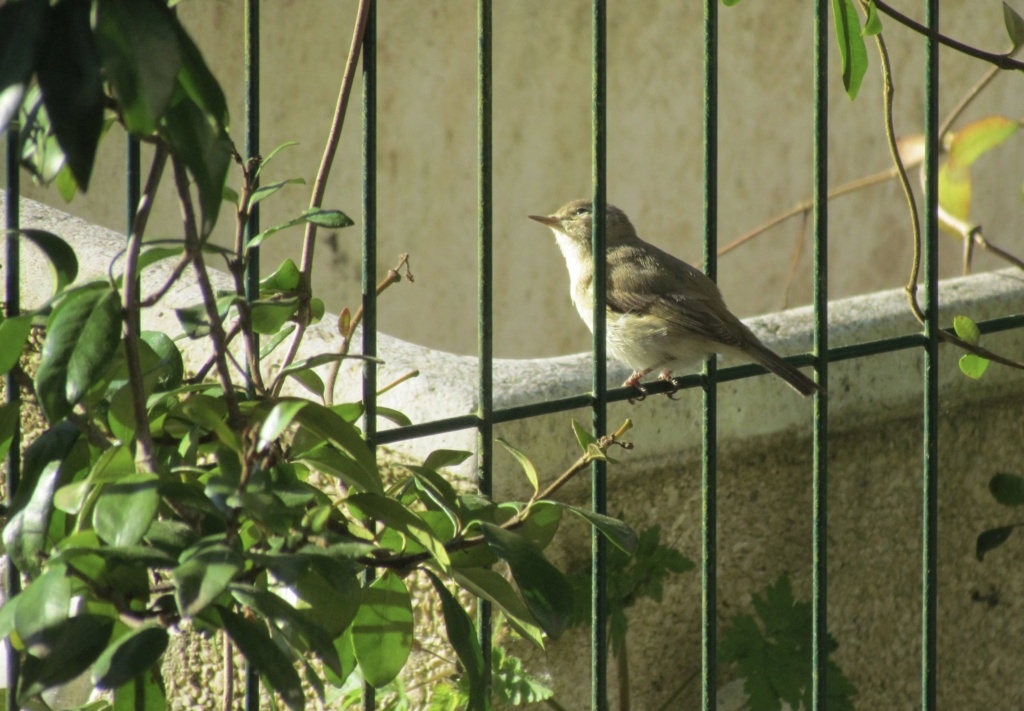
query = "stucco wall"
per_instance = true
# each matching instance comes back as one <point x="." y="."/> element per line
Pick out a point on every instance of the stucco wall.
<point x="427" y="155"/>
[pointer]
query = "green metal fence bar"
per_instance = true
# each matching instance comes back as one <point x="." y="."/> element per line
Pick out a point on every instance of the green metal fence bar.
<point x="709" y="455"/>
<point x="485" y="272"/>
<point x="929" y="553"/>
<point x="599" y="468"/>
<point x="819" y="583"/>
<point x="251" y="21"/>
<point x="12" y="221"/>
<point x="369" y="239"/>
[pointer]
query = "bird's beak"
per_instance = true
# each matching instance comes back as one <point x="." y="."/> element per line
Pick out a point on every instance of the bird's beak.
<point x="549" y="220"/>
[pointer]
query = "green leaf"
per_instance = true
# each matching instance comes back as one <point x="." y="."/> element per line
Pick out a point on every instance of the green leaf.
<point x="274" y="341"/>
<point x="1014" y="26"/>
<point x="395" y="516"/>
<point x="852" y="52"/>
<point x="306" y="625"/>
<point x="1008" y="489"/>
<point x="69" y="76"/>
<point x="130" y="656"/>
<point x="320" y="421"/>
<point x="524" y="462"/>
<point x="141" y="58"/>
<point x="270" y="156"/>
<point x="992" y="538"/>
<point x="546" y="591"/>
<point x="171" y="363"/>
<point x="490" y="585"/>
<point x="382" y="629"/>
<point x="42" y="605"/>
<point x="268" y="316"/>
<point x="280" y="417"/>
<point x="14" y="334"/>
<point x="973" y="366"/>
<point x="873" y="23"/>
<point x="59" y="254"/>
<point x="10" y="417"/>
<point x="463" y="638"/>
<point x="265" y="191"/>
<point x="614" y="530"/>
<point x="284" y="278"/>
<point x="143" y="693"/>
<point x="198" y="81"/>
<point x="203" y="577"/>
<point x="73" y="646"/>
<point x="126" y="508"/>
<point x="262" y="652"/>
<point x="206" y="150"/>
<point x="331" y="462"/>
<point x="327" y="218"/>
<point x="44" y="471"/>
<point x="967" y="330"/>
<point x="441" y="458"/>
<point x="328" y="586"/>
<point x="21" y="26"/>
<point x="74" y="356"/>
<point x="583" y="436"/>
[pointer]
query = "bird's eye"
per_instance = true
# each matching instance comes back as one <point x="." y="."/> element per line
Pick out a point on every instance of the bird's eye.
<point x="581" y="211"/>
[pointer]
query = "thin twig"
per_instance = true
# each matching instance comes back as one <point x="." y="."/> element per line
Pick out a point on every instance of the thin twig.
<point x="229" y="672"/>
<point x="393" y="277"/>
<point x="145" y="453"/>
<point x="320" y="184"/>
<point x="217" y="335"/>
<point x="179" y="269"/>
<point x="1003" y="61"/>
<point x="237" y="266"/>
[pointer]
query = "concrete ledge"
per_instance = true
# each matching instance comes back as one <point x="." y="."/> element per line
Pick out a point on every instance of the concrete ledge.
<point x="756" y="407"/>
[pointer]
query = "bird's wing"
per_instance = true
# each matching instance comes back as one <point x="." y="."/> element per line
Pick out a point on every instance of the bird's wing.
<point x="665" y="287"/>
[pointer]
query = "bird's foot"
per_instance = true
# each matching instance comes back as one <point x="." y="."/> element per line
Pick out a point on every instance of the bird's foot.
<point x="666" y="375"/>
<point x="633" y="381"/>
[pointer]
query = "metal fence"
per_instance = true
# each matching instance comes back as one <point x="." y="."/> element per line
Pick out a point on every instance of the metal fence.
<point x="488" y="416"/>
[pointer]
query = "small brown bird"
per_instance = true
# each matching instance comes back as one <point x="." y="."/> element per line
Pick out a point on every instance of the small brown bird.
<point x="662" y="313"/>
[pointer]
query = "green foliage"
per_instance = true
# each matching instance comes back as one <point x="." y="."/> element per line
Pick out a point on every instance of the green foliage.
<point x="773" y="653"/>
<point x="153" y="498"/>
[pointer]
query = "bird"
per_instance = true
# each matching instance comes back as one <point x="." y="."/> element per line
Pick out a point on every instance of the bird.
<point x="662" y="313"/>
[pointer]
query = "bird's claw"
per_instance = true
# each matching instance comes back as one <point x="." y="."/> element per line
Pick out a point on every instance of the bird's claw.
<point x="643" y="394"/>
<point x="675" y="388"/>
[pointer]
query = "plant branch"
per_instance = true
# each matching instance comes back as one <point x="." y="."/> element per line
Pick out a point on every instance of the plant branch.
<point x="237" y="267"/>
<point x="1002" y="61"/>
<point x="195" y="250"/>
<point x="145" y="454"/>
<point x="393" y="277"/>
<point x="320" y="184"/>
<point x="179" y="269"/>
<point x="911" y="287"/>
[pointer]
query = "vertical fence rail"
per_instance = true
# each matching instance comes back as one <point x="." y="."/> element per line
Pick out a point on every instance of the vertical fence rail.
<point x="930" y="484"/>
<point x="252" y="228"/>
<point x="709" y="458"/>
<point x="819" y="580"/>
<point x="369" y="239"/>
<point x="12" y="221"/>
<point x="485" y="271"/>
<point x="599" y="468"/>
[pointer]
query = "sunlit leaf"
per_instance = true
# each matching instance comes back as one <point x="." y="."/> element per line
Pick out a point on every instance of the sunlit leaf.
<point x="978" y="137"/>
<point x="125" y="509"/>
<point x="463" y="638"/>
<point x="130" y="656"/>
<point x="382" y="629"/>
<point x="266" y="657"/>
<point x="852" y="52"/>
<point x="524" y="462"/>
<point x="203" y="577"/>
<point x="545" y="589"/>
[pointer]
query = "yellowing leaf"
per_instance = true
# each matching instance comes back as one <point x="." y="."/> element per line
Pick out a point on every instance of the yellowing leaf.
<point x="954" y="197"/>
<point x="979" y="137"/>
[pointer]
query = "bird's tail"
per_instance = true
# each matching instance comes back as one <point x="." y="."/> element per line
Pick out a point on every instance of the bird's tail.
<point x="768" y="359"/>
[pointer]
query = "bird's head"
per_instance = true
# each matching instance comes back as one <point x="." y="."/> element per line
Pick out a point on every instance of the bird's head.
<point x="575" y="221"/>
